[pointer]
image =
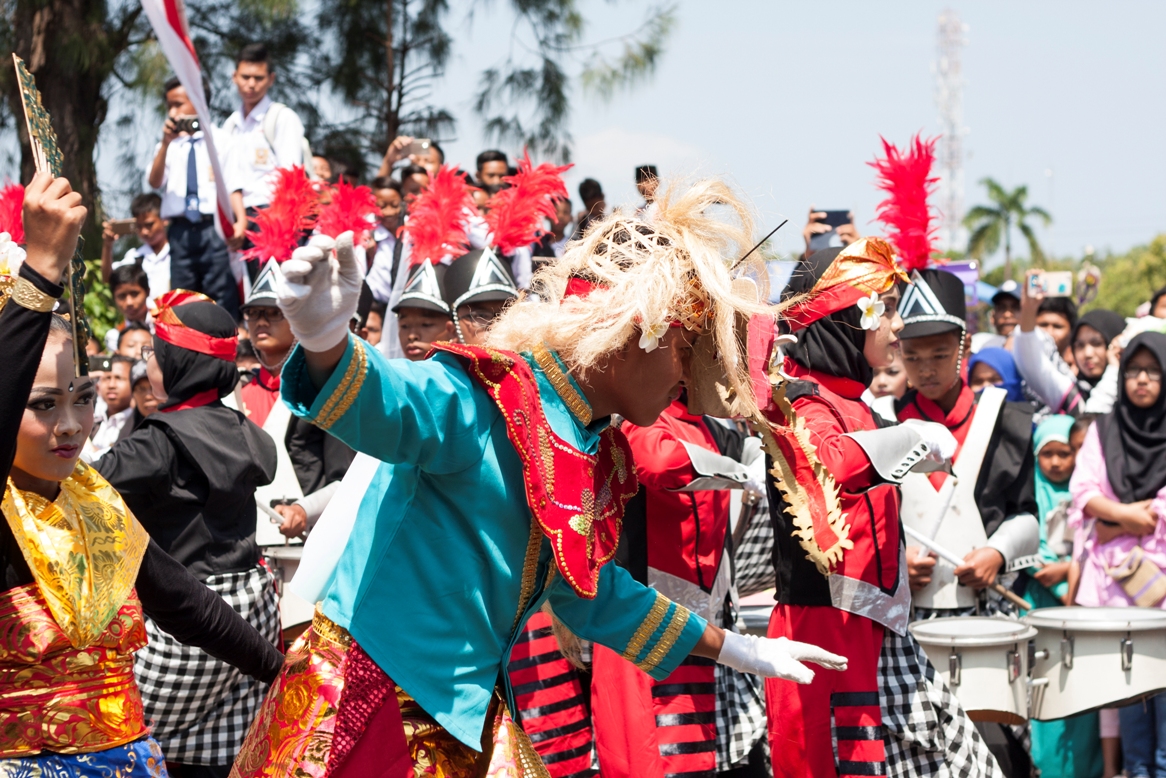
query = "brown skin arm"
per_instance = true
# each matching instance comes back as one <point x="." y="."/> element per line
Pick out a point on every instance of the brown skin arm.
<point x="710" y="643"/>
<point x="107" y="239"/>
<point x="1052" y="574"/>
<point x="320" y="364"/>
<point x="1133" y="519"/>
<point x="920" y="567"/>
<point x="979" y="568"/>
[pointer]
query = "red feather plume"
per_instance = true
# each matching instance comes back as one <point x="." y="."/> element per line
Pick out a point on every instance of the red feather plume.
<point x="294" y="205"/>
<point x="437" y="218"/>
<point x="352" y="208"/>
<point x="516" y="215"/>
<point x="12" y="212"/>
<point x="907" y="180"/>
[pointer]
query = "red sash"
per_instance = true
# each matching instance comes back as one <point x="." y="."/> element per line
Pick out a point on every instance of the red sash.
<point x="577" y="499"/>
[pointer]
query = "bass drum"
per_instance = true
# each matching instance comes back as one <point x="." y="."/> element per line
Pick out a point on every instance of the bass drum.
<point x="984" y="661"/>
<point x="1091" y="658"/>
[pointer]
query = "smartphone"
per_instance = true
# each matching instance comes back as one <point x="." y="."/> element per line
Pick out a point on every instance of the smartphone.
<point x="1052" y="283"/>
<point x="122" y="226"/>
<point x="836" y="218"/>
<point x="100" y="364"/>
<point x="825" y="240"/>
<point x="419" y="146"/>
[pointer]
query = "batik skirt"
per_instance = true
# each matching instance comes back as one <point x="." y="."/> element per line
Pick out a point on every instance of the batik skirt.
<point x="140" y="759"/>
<point x="334" y="712"/>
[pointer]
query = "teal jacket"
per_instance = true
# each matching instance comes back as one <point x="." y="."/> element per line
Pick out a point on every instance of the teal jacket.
<point x="430" y="581"/>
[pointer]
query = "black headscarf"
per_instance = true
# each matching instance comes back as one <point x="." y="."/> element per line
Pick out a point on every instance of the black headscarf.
<point x="833" y="344"/>
<point x="187" y="373"/>
<point x="1134" y="439"/>
<point x="1109" y="323"/>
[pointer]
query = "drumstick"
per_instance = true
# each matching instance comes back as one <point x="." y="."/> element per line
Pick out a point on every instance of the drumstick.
<point x="955" y="560"/>
<point x="271" y="514"/>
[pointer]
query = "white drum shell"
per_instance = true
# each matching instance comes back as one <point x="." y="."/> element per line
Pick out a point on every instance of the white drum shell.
<point x="991" y="658"/>
<point x="1096" y="677"/>
<point x="284" y="561"/>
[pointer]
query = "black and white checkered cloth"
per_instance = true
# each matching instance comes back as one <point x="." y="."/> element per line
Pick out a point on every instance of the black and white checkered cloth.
<point x="740" y="717"/>
<point x="753" y="559"/>
<point x="927" y="732"/>
<point x="198" y="707"/>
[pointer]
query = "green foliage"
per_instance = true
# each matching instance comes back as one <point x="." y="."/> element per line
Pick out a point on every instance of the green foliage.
<point x="1130" y="279"/>
<point x="992" y="224"/>
<point x="637" y="60"/>
<point x="99" y="307"/>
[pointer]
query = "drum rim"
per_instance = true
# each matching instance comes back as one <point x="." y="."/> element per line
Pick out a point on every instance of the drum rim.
<point x="1024" y="632"/>
<point x="1045" y="618"/>
<point x="291" y="551"/>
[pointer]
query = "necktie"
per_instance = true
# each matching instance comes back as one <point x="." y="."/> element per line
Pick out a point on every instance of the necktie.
<point x="193" y="213"/>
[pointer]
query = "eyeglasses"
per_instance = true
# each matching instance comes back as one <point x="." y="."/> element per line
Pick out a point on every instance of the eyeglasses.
<point x="255" y="314"/>
<point x="146" y="353"/>
<point x="1153" y="376"/>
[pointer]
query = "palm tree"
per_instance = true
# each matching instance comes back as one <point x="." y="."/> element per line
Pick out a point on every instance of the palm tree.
<point x="990" y="223"/>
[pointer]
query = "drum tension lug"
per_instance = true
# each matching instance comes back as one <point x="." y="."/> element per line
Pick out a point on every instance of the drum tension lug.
<point x="1013" y="665"/>
<point x="1067" y="651"/>
<point x="954" y="665"/>
<point x="1127" y="652"/>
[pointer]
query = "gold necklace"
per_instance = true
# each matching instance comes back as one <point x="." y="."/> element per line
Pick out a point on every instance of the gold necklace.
<point x="574" y="401"/>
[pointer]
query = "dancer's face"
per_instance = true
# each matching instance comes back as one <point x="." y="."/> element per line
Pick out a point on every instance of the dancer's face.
<point x="644" y="383"/>
<point x="57" y="420"/>
<point x="882" y="344"/>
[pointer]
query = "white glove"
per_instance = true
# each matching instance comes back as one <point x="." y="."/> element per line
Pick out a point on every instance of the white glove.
<point x="938" y="438"/>
<point x="318" y="290"/>
<point x="775" y="657"/>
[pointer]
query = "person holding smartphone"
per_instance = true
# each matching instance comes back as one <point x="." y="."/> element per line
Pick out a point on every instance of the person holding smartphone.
<point x="829" y="229"/>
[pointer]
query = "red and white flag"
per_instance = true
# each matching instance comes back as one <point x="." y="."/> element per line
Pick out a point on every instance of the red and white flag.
<point x="168" y="18"/>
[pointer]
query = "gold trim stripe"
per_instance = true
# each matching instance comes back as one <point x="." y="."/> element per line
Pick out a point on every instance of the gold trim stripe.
<point x="648" y="628"/>
<point x="346" y="391"/>
<point x="667" y="640"/>
<point x="574" y="401"/>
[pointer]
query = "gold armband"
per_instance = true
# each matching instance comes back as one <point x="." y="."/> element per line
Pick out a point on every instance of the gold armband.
<point x="28" y="296"/>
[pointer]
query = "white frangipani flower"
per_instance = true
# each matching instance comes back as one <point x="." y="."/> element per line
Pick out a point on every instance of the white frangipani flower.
<point x="650" y="338"/>
<point x="872" y="309"/>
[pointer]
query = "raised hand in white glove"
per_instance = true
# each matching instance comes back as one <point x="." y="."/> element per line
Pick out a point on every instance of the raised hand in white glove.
<point x="318" y="290"/>
<point x="775" y="657"/>
<point x="939" y="440"/>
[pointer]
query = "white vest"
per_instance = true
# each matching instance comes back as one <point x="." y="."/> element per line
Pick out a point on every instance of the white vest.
<point x="949" y="515"/>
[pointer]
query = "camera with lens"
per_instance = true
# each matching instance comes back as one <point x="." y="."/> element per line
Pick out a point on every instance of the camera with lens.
<point x="187" y="124"/>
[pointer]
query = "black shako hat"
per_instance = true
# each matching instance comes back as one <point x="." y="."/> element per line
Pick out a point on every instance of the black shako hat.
<point x="933" y="303"/>
<point x="424" y="289"/>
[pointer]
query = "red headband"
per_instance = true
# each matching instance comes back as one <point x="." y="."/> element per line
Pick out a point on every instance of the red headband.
<point x="170" y="328"/>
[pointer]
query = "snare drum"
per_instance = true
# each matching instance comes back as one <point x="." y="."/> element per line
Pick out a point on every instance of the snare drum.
<point x="1096" y="657"/>
<point x="984" y="661"/>
<point x="283" y="562"/>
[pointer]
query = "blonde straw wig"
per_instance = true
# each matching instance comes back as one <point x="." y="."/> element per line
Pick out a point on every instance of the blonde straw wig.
<point x="677" y="263"/>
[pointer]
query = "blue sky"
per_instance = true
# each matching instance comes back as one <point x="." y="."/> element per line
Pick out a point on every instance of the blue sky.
<point x="787" y="100"/>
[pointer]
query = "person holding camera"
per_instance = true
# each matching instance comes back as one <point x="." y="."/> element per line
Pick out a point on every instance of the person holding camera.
<point x="182" y="170"/>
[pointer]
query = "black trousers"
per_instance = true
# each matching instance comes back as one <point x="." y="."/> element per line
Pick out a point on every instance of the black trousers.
<point x="199" y="262"/>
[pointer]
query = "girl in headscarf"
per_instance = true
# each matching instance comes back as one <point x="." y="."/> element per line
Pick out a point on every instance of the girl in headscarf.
<point x="843" y="312"/>
<point x="189" y="472"/>
<point x="995" y="367"/>
<point x="1093" y="387"/>
<point x="78" y="569"/>
<point x="1067" y="747"/>
<point x="1119" y="499"/>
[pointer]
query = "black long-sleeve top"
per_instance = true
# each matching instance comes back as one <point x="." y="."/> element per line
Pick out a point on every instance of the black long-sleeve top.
<point x="171" y="596"/>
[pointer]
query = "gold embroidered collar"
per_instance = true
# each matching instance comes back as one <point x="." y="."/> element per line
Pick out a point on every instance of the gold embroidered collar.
<point x="83" y="548"/>
<point x="562" y="385"/>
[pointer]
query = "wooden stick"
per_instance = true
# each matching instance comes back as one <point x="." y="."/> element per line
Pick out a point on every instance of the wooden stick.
<point x="943" y="553"/>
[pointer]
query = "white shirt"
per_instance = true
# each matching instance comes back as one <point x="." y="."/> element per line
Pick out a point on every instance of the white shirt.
<point x="174" y="176"/>
<point x="252" y="160"/>
<point x="380" y="275"/>
<point x="156" y="265"/>
<point x="109" y="431"/>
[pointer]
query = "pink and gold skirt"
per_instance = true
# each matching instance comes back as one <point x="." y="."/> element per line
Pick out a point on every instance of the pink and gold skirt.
<point x="333" y="713"/>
